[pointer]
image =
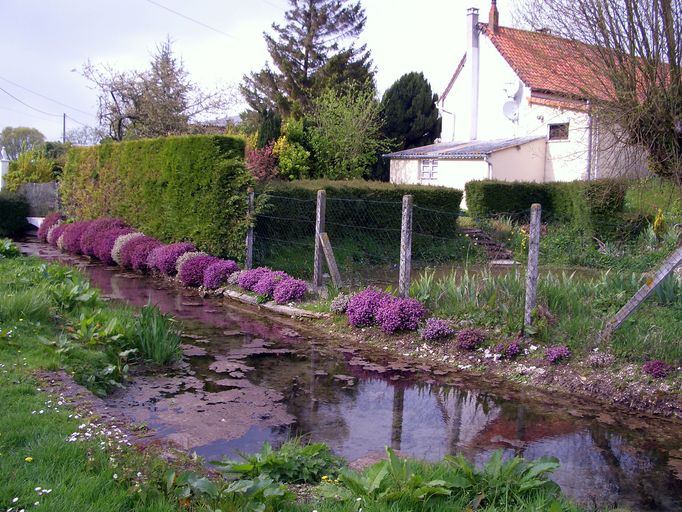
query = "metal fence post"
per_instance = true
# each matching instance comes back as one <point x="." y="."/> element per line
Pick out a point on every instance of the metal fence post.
<point x="319" y="229"/>
<point x="405" y="248"/>
<point x="248" y="260"/>
<point x="532" y="267"/>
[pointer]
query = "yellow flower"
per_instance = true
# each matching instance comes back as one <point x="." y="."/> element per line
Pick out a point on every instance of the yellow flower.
<point x="325" y="478"/>
<point x="29" y="459"/>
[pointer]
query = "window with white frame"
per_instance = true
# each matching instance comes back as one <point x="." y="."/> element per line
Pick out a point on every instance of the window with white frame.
<point x="429" y="169"/>
<point x="558" y="131"/>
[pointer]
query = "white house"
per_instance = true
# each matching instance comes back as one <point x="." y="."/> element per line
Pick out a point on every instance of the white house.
<point x="513" y="111"/>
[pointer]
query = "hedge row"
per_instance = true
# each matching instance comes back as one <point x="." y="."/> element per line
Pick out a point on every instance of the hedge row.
<point x="174" y="188"/>
<point x="369" y="205"/>
<point x="595" y="204"/>
<point x="13" y="212"/>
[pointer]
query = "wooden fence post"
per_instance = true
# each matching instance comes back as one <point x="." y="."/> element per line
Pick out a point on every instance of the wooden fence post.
<point x="319" y="229"/>
<point x="248" y="260"/>
<point x="331" y="261"/>
<point x="532" y="267"/>
<point x="405" y="248"/>
<point x="664" y="271"/>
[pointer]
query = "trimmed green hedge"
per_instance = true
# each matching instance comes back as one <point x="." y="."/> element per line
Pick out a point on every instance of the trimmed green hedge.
<point x="370" y="204"/>
<point x="13" y="212"/>
<point x="174" y="188"/>
<point x="597" y="205"/>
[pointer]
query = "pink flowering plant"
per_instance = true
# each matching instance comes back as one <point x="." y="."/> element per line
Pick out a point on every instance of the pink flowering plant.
<point x="266" y="284"/>
<point x="105" y="244"/>
<point x="72" y="236"/>
<point x="289" y="290"/>
<point x="95" y="231"/>
<point x="52" y="219"/>
<point x="657" y="369"/>
<point x="249" y="278"/>
<point x="141" y="252"/>
<point x="129" y="248"/>
<point x="217" y="273"/>
<point x="400" y="314"/>
<point x="362" y="307"/>
<point x="56" y="233"/>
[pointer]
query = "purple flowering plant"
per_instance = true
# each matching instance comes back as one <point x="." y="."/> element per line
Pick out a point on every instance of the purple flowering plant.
<point x="129" y="248"/>
<point x="266" y="284"/>
<point x="105" y="244"/>
<point x="470" y="339"/>
<point x="217" y="273"/>
<point x="72" y="236"/>
<point x="400" y="314"/>
<point x="163" y="258"/>
<point x="436" y="329"/>
<point x="657" y="369"/>
<point x="557" y="353"/>
<point x="362" y="307"/>
<point x="289" y="290"/>
<point x="192" y="272"/>
<point x="49" y="221"/>
<point x="140" y="254"/>
<point x="249" y="278"/>
<point x="94" y="232"/>
<point x="57" y="232"/>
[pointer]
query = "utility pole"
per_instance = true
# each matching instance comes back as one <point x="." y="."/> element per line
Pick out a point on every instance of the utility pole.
<point x="64" y="128"/>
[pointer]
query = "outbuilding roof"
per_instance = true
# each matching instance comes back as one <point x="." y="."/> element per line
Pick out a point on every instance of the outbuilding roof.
<point x="471" y="150"/>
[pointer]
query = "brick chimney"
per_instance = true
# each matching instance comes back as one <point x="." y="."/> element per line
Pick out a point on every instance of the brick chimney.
<point x="493" y="17"/>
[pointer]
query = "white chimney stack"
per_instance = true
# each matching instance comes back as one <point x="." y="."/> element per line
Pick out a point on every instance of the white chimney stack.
<point x="473" y="58"/>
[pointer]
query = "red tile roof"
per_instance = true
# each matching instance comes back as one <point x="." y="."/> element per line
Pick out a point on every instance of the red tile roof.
<point x="547" y="63"/>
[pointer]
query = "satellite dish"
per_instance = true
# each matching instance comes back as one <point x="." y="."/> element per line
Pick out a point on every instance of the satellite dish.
<point x="511" y="110"/>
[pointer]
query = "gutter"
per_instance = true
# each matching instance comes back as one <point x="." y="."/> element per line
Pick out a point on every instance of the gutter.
<point x="589" y="142"/>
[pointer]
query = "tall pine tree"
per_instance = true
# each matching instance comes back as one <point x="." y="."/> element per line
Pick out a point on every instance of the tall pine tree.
<point x="308" y="55"/>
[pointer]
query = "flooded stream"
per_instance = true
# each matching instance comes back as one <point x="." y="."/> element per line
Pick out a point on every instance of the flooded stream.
<point x="247" y="378"/>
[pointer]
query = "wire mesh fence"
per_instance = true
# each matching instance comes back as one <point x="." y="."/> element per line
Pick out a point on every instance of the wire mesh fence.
<point x="365" y="236"/>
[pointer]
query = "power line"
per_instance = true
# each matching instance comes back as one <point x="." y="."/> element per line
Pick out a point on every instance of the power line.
<point x="191" y="19"/>
<point x="29" y="106"/>
<point x="43" y="96"/>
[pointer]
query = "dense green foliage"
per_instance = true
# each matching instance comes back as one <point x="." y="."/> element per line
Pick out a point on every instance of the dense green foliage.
<point x="595" y="205"/>
<point x="20" y="139"/>
<point x="190" y="188"/>
<point x="13" y="212"/>
<point x="32" y="166"/>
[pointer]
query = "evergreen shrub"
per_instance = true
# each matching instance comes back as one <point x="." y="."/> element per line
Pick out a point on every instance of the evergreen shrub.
<point x="13" y="213"/>
<point x="190" y="188"/>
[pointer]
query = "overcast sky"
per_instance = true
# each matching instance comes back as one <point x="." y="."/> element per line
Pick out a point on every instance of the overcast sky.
<point x="46" y="42"/>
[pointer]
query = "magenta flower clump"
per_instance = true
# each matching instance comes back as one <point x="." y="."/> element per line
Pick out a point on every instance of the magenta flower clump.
<point x="105" y="244"/>
<point x="56" y="233"/>
<point x="129" y="248"/>
<point x="436" y="329"/>
<point x="217" y="273"/>
<point x="249" y="278"/>
<point x="400" y="315"/>
<point x="94" y="232"/>
<point x="49" y="221"/>
<point x="557" y="353"/>
<point x="470" y="339"/>
<point x="289" y="290"/>
<point x="192" y="272"/>
<point x="362" y="307"/>
<point x="657" y="369"/>
<point x="72" y="236"/>
<point x="266" y="284"/>
<point x="164" y="258"/>
<point x="140" y="254"/>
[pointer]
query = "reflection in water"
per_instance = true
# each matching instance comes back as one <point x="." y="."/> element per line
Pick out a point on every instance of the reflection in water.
<point x="259" y="382"/>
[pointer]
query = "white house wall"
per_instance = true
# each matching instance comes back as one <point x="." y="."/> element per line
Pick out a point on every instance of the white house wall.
<point x="519" y="163"/>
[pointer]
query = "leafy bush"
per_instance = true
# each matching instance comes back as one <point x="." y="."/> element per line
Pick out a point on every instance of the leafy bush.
<point x="13" y="212"/>
<point x="400" y="315"/>
<point x="557" y="353"/>
<point x="289" y="290"/>
<point x="192" y="272"/>
<point x="104" y="245"/>
<point x="191" y="188"/>
<point x="262" y="163"/>
<point x="436" y="329"/>
<point x="72" y="237"/>
<point x="216" y="274"/>
<point x="293" y="159"/>
<point x="164" y="258"/>
<point x="156" y="337"/>
<point x="470" y="339"/>
<point x="31" y="166"/>
<point x="294" y="463"/>
<point x="49" y="221"/>
<point x="8" y="249"/>
<point x="657" y="368"/>
<point x="94" y="232"/>
<point x="362" y="307"/>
